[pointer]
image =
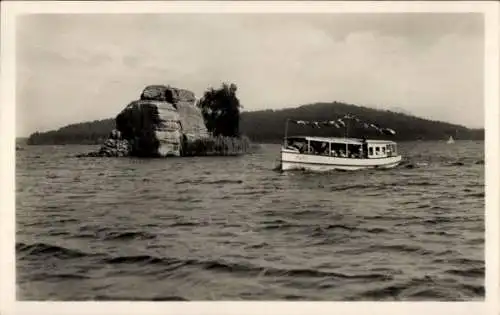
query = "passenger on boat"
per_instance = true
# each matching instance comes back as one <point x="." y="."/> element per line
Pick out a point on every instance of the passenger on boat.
<point x="389" y="151"/>
<point x="303" y="148"/>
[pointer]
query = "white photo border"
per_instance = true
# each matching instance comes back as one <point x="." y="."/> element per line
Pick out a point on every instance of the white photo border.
<point x="12" y="9"/>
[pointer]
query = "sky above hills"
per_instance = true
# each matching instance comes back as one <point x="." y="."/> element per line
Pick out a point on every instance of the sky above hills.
<point x="74" y="68"/>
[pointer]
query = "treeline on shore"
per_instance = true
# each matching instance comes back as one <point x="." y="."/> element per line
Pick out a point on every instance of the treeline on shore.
<point x="268" y="126"/>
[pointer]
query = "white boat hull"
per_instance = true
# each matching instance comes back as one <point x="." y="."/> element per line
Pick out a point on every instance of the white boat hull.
<point x="291" y="160"/>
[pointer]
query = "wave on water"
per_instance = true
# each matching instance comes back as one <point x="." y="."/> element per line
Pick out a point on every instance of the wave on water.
<point x="133" y="298"/>
<point x="469" y="272"/>
<point x="46" y="276"/>
<point x="395" y="248"/>
<point x="38" y="250"/>
<point x="397" y="292"/>
<point x="142" y="259"/>
<point x="240" y="268"/>
<point x="128" y="236"/>
<point x="209" y="182"/>
<point x="422" y="289"/>
<point x="104" y="234"/>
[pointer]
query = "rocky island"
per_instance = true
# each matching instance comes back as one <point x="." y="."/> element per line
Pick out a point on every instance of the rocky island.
<point x="165" y="121"/>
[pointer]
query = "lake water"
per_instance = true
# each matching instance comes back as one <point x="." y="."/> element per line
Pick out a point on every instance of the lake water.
<point x="233" y="228"/>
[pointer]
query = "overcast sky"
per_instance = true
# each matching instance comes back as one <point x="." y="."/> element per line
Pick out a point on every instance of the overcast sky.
<point x="74" y="68"/>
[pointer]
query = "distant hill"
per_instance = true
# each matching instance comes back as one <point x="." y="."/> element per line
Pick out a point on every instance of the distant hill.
<point x="269" y="125"/>
<point x="93" y="132"/>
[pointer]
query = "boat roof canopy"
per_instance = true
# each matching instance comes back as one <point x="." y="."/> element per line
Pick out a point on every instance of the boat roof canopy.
<point x="340" y="140"/>
<point x="380" y="141"/>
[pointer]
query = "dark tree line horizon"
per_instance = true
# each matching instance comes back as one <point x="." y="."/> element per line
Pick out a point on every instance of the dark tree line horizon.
<point x="267" y="126"/>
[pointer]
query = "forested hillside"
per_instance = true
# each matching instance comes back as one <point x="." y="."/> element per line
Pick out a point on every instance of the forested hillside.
<point x="268" y="125"/>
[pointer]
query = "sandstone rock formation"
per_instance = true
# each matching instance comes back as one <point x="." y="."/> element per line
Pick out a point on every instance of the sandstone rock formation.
<point x="161" y="123"/>
<point x="167" y="94"/>
<point x="151" y="127"/>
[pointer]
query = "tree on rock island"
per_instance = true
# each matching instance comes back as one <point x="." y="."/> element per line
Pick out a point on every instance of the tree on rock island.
<point x="221" y="111"/>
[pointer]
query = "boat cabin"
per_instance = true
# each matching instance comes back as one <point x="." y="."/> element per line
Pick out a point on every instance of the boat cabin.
<point x="342" y="147"/>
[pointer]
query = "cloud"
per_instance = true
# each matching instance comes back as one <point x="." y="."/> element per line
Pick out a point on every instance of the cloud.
<point x="80" y="67"/>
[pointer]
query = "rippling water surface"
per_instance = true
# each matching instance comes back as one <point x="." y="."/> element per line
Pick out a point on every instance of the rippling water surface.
<point x="233" y="228"/>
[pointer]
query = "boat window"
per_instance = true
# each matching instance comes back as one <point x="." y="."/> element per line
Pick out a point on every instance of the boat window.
<point x="383" y="150"/>
<point x="297" y="144"/>
<point x="370" y="150"/>
<point x="319" y="148"/>
<point x="339" y="149"/>
<point x="377" y="150"/>
<point x="357" y="151"/>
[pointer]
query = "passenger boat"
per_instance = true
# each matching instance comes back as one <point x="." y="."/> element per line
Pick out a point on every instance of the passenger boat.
<point x="325" y="153"/>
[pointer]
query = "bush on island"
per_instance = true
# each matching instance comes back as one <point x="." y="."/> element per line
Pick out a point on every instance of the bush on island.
<point x="217" y="146"/>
